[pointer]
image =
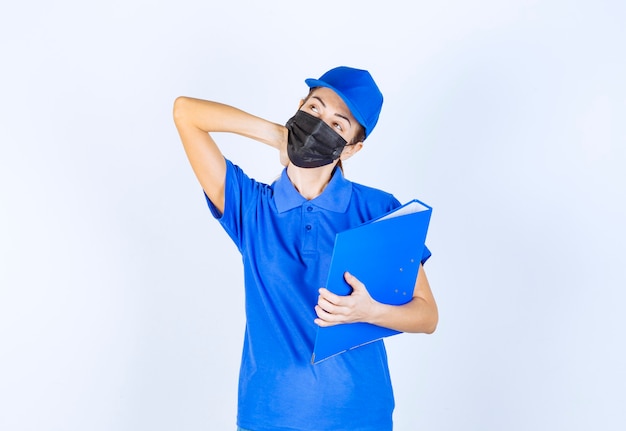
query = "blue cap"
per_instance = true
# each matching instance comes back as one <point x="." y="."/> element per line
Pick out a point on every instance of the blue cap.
<point x="357" y="89"/>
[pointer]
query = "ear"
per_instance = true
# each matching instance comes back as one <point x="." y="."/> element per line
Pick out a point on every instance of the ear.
<point x="350" y="150"/>
<point x="300" y="104"/>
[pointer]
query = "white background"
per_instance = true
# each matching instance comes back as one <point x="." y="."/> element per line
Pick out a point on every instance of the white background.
<point x="121" y="305"/>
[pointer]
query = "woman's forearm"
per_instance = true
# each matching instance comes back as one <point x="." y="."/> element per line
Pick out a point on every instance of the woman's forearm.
<point x="209" y="116"/>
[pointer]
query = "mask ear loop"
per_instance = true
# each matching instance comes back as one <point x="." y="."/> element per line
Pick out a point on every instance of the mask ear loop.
<point x="337" y="152"/>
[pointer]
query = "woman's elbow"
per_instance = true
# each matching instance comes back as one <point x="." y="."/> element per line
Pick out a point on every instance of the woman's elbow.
<point x="180" y="108"/>
<point x="430" y="325"/>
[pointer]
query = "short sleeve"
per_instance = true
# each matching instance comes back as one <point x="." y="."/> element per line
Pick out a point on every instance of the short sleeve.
<point x="240" y="192"/>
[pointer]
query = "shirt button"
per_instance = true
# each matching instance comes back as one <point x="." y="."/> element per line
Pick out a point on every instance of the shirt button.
<point x="308" y="227"/>
<point x="309" y="209"/>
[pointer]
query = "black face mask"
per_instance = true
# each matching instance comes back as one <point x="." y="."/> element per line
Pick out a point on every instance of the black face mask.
<point x="311" y="142"/>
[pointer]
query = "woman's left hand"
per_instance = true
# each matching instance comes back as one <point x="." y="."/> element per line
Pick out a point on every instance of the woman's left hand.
<point x="333" y="309"/>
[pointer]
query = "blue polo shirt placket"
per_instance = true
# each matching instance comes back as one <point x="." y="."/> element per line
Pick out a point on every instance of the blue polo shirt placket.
<point x="311" y="228"/>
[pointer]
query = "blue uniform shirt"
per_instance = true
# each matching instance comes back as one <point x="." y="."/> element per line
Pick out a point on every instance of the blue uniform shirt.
<point x="286" y="244"/>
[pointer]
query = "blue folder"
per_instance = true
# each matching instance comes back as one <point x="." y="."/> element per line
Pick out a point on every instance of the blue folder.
<point x="384" y="254"/>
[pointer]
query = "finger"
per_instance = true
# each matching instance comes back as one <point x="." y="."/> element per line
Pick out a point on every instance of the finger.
<point x="330" y="296"/>
<point x="325" y="319"/>
<point x="354" y="282"/>
<point x="325" y="315"/>
<point x="323" y="323"/>
<point x="329" y="307"/>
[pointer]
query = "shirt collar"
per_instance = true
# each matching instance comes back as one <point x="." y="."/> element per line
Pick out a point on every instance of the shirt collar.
<point x="335" y="196"/>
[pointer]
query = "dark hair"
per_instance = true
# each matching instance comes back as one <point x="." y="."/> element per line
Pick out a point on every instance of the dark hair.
<point x="360" y="134"/>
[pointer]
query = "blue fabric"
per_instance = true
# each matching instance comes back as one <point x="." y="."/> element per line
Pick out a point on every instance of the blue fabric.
<point x="286" y="244"/>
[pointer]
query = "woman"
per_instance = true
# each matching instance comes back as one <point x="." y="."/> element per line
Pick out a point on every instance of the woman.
<point x="285" y="232"/>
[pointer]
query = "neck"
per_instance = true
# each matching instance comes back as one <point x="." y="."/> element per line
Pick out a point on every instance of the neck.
<point x="310" y="182"/>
